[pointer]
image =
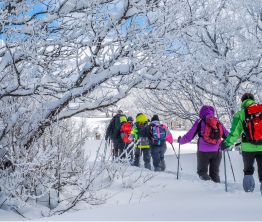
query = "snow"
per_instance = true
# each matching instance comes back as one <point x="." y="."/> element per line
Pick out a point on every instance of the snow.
<point x="159" y="195"/>
<point x="165" y="198"/>
<point x="7" y="215"/>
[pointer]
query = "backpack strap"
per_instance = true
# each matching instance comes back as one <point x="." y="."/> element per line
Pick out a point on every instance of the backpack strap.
<point x="245" y="133"/>
<point x="198" y="131"/>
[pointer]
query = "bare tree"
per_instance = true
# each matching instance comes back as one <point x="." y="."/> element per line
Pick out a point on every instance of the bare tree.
<point x="212" y="55"/>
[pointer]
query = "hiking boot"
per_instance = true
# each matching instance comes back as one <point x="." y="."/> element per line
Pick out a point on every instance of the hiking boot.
<point x="136" y="161"/>
<point x="204" y="177"/>
<point x="162" y="165"/>
<point x="215" y="178"/>
<point x="148" y="166"/>
<point x="157" y="169"/>
<point x="248" y="183"/>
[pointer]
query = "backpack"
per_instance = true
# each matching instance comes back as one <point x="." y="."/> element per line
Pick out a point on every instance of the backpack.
<point x="125" y="131"/>
<point x="213" y="131"/>
<point x="253" y="124"/>
<point x="158" y="134"/>
<point x="118" y="120"/>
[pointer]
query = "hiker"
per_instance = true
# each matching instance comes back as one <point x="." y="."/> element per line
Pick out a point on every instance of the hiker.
<point x="130" y="119"/>
<point x="113" y="133"/>
<point x="140" y="134"/>
<point x="210" y="132"/>
<point x="125" y="131"/>
<point x="248" y="123"/>
<point x="159" y="133"/>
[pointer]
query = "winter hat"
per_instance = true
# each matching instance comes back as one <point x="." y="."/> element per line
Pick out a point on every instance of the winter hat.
<point x="206" y="111"/>
<point x="123" y="119"/>
<point x="141" y="118"/>
<point x="155" y="118"/>
<point x="130" y="119"/>
<point x="247" y="96"/>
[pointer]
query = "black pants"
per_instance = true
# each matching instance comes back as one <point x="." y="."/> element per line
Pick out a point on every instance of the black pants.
<point x="249" y="159"/>
<point x="118" y="147"/>
<point x="158" y="155"/>
<point x="211" y="160"/>
<point x="146" y="157"/>
<point x="127" y="151"/>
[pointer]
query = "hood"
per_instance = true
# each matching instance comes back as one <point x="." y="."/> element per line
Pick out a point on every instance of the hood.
<point x="247" y="103"/>
<point x="206" y="111"/>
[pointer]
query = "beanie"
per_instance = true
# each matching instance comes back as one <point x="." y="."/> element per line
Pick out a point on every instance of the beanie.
<point x="247" y="96"/>
<point x="155" y="118"/>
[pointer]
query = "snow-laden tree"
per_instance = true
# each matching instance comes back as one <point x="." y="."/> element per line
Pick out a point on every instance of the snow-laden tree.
<point x="60" y="52"/>
<point x="213" y="55"/>
<point x="59" y="58"/>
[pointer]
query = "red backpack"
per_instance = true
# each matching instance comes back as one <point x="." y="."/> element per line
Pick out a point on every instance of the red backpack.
<point x="125" y="131"/>
<point x="253" y="124"/>
<point x="213" y="131"/>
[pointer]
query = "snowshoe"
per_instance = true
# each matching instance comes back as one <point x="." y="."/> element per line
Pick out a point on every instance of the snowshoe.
<point x="248" y="183"/>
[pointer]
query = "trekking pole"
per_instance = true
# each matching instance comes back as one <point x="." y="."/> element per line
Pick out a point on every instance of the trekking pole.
<point x="225" y="171"/>
<point x="176" y="154"/>
<point x="178" y="161"/>
<point x="231" y="166"/>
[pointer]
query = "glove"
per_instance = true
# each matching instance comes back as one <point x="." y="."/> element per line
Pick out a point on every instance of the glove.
<point x="178" y="139"/>
<point x="223" y="145"/>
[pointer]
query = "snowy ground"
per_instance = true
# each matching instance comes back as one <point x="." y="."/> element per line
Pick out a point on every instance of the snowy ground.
<point x="166" y="198"/>
<point x="160" y="196"/>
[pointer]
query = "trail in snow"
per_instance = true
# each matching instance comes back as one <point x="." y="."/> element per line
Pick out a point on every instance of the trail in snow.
<point x="165" y="198"/>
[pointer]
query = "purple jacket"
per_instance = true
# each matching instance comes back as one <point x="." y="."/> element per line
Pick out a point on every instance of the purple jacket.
<point x="205" y="111"/>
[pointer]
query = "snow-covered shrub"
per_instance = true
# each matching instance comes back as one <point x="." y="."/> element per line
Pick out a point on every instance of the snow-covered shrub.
<point x="56" y="160"/>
